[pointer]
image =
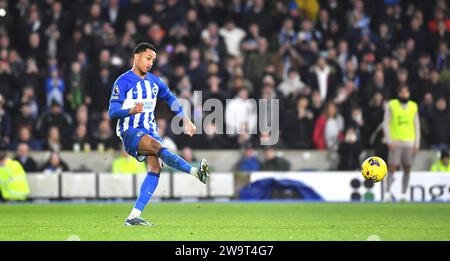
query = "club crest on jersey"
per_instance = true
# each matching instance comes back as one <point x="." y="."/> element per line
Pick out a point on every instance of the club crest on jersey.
<point x="140" y="133"/>
<point x="155" y="89"/>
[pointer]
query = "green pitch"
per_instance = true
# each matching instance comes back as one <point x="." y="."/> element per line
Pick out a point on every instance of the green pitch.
<point x="228" y="221"/>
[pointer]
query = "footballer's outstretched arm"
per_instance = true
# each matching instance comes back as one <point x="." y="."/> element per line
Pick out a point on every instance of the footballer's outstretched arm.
<point x="175" y="106"/>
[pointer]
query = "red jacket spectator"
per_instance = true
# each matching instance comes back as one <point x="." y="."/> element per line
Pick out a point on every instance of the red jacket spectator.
<point x="433" y="25"/>
<point x="318" y="135"/>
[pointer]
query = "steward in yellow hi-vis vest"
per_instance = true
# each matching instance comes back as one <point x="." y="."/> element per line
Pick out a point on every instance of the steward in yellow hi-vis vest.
<point x="126" y="164"/>
<point x="402" y="120"/>
<point x="401" y="127"/>
<point x="442" y="164"/>
<point x="13" y="181"/>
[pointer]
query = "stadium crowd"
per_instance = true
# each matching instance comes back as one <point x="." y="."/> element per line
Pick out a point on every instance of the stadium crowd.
<point x="331" y="64"/>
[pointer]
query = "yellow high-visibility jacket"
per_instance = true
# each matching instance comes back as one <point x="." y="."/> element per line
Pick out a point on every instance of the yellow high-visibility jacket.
<point x="13" y="181"/>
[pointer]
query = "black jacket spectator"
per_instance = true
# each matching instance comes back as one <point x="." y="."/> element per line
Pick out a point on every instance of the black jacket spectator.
<point x="28" y="164"/>
<point x="349" y="151"/>
<point x="55" y="117"/>
<point x="55" y="164"/>
<point x="439" y="123"/>
<point x="274" y="163"/>
<point x="299" y="127"/>
<point x="23" y="156"/>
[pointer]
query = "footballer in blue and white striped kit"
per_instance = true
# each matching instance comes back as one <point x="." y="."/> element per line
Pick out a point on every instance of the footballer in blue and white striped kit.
<point x="133" y="102"/>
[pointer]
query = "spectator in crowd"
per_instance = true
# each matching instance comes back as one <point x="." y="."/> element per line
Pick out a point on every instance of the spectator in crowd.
<point x="272" y="162"/>
<point x="240" y="112"/>
<point x="298" y="133"/>
<point x="54" y="165"/>
<point x="6" y="81"/>
<point x="333" y="127"/>
<point x="77" y="81"/>
<point x="54" y="87"/>
<point x="442" y="164"/>
<point x="249" y="161"/>
<point x="292" y="85"/>
<point x="54" y="141"/>
<point x="439" y="124"/>
<point x="323" y="79"/>
<point x="349" y="151"/>
<point x="212" y="137"/>
<point x="250" y="42"/>
<point x="5" y="124"/>
<point x="25" y="137"/>
<point x="82" y="117"/>
<point x="23" y="156"/>
<point x="439" y="17"/>
<point x="328" y="127"/>
<point x="25" y="118"/>
<point x="287" y="35"/>
<point x="316" y="104"/>
<point x="214" y="90"/>
<point x="104" y="138"/>
<point x="435" y="86"/>
<point x="80" y="141"/>
<point x="308" y="9"/>
<point x="55" y="117"/>
<point x="378" y="84"/>
<point x="101" y="81"/>
<point x="35" y="48"/>
<point x="257" y="62"/>
<point x="270" y="94"/>
<point x="232" y="36"/>
<point x="269" y="138"/>
<point x="373" y="114"/>
<point x="29" y="97"/>
<point x="213" y="42"/>
<point x="125" y="164"/>
<point x="344" y="55"/>
<point x="31" y="76"/>
<point x="196" y="69"/>
<point x="443" y="56"/>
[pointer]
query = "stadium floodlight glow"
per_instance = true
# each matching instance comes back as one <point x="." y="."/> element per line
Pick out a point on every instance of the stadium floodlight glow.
<point x="2" y="12"/>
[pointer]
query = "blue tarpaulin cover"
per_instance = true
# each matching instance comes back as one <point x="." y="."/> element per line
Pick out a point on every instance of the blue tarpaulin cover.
<point x="265" y="189"/>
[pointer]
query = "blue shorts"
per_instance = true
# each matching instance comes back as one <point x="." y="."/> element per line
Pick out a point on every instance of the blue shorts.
<point x="131" y="138"/>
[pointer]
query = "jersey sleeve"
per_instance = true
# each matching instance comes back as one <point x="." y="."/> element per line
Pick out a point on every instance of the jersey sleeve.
<point x="165" y="94"/>
<point x="117" y="98"/>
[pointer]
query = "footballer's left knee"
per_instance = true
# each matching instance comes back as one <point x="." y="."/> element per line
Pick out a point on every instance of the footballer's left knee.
<point x="154" y="164"/>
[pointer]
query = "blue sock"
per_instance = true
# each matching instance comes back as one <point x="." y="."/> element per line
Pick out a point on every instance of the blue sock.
<point x="147" y="188"/>
<point x="174" y="161"/>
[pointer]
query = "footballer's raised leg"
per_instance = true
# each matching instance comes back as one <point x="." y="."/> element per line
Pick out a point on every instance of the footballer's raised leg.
<point x="150" y="146"/>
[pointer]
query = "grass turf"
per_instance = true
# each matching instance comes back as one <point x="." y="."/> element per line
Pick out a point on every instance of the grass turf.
<point x="228" y="221"/>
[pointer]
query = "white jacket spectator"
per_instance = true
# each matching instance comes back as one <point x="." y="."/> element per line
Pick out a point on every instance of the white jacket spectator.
<point x="332" y="129"/>
<point x="292" y="84"/>
<point x="322" y="70"/>
<point x="241" y="113"/>
<point x="233" y="37"/>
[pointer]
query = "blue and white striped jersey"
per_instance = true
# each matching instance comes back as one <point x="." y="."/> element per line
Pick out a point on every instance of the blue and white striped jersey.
<point x="130" y="89"/>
